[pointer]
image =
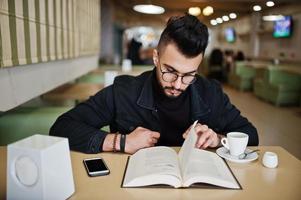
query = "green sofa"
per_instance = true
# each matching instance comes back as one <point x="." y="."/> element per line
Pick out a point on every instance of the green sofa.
<point x="91" y="78"/>
<point x="278" y="86"/>
<point x="241" y="77"/>
<point x="26" y="121"/>
<point x="258" y="83"/>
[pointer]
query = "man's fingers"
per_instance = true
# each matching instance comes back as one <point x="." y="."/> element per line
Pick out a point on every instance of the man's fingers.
<point x="210" y="140"/>
<point x="204" y="128"/>
<point x="201" y="128"/>
<point x="210" y="137"/>
<point x="154" y="140"/>
<point x="202" y="138"/>
<point x="150" y="145"/>
<point x="155" y="134"/>
<point x="207" y="143"/>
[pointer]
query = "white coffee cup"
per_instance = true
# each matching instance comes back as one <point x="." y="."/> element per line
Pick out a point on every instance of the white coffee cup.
<point x="270" y="159"/>
<point x="236" y="142"/>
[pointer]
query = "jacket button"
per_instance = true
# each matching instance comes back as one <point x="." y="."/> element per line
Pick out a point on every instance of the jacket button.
<point x="131" y="128"/>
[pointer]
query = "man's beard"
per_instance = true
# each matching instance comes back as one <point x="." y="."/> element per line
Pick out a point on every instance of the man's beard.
<point x="172" y="88"/>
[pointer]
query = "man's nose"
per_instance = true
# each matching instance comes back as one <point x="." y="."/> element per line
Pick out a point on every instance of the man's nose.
<point x="177" y="83"/>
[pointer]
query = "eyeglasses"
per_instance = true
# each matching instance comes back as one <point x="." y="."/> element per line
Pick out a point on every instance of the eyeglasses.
<point x="173" y="76"/>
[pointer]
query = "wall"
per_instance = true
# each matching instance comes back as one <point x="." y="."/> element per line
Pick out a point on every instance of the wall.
<point x="242" y="42"/>
<point x="107" y="43"/>
<point x="44" y="44"/>
<point x="254" y="36"/>
<point x="284" y="48"/>
<point x="34" y="31"/>
<point x="116" y="18"/>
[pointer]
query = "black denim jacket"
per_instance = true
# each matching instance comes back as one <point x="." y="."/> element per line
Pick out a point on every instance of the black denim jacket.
<point x="129" y="103"/>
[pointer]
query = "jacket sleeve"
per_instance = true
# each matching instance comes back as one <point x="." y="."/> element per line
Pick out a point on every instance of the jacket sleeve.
<point x="82" y="124"/>
<point x="231" y="119"/>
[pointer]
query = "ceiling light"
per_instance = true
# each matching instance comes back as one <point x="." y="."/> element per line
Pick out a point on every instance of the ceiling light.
<point x="273" y="17"/>
<point x="208" y="11"/>
<point x="232" y="15"/>
<point x="256" y="8"/>
<point x="270" y="4"/>
<point x="225" y="18"/>
<point x="219" y="20"/>
<point x="149" y="9"/>
<point x="213" y="22"/>
<point x="194" y="11"/>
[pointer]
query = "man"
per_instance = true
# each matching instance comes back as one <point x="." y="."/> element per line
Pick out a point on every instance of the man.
<point x="134" y="49"/>
<point x="159" y="106"/>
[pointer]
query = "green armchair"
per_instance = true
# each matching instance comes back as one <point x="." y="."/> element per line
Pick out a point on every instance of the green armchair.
<point x="241" y="77"/>
<point x="278" y="86"/>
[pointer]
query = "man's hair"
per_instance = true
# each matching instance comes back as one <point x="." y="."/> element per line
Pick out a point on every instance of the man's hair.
<point x="187" y="33"/>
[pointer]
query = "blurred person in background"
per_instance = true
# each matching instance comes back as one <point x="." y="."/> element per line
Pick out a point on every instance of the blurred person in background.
<point x="216" y="65"/>
<point x="240" y="56"/>
<point x="134" y="52"/>
<point x="229" y="61"/>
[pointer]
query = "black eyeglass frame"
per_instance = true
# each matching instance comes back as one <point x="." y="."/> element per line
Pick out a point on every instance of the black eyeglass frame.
<point x="176" y="76"/>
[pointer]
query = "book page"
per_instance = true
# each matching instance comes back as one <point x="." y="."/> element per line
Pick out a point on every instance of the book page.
<point x="201" y="166"/>
<point x="155" y="165"/>
<point x="187" y="147"/>
<point x="207" y="167"/>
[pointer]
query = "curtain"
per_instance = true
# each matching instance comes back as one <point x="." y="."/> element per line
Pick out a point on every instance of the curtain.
<point x="35" y="31"/>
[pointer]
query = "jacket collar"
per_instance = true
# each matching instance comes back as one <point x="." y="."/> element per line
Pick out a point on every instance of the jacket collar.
<point x="199" y="107"/>
<point x="146" y="98"/>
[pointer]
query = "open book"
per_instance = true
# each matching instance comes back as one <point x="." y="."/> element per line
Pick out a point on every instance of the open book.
<point x="161" y="165"/>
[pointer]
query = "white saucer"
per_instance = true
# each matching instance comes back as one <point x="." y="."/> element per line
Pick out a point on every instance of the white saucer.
<point x="224" y="153"/>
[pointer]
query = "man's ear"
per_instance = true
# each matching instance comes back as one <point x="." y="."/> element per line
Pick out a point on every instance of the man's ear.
<point x="155" y="57"/>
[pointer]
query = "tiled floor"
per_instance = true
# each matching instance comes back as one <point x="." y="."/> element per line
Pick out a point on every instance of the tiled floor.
<point x="277" y="126"/>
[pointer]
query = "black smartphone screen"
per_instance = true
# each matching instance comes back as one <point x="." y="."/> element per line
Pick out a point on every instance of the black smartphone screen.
<point x="95" y="165"/>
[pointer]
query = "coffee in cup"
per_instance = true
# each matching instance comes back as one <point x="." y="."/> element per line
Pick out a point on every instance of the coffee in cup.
<point x="235" y="142"/>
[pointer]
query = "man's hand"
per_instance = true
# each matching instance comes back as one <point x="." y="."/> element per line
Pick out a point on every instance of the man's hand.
<point x="206" y="136"/>
<point x="140" y="138"/>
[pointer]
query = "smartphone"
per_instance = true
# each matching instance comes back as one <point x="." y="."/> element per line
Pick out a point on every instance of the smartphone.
<point x="96" y="167"/>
